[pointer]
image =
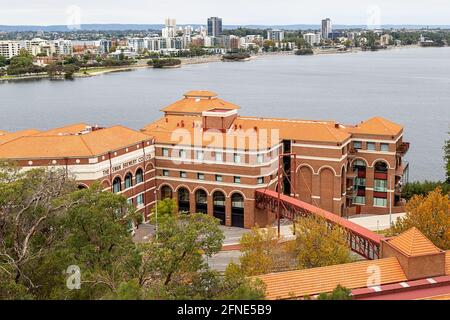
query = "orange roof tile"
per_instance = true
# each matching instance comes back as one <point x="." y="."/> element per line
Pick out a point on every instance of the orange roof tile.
<point x="377" y="126"/>
<point x="300" y="130"/>
<point x="447" y="263"/>
<point x="198" y="105"/>
<point x="3" y="132"/>
<point x="200" y="94"/>
<point x="60" y="146"/>
<point x="66" y="130"/>
<point x="18" y="134"/>
<point x="306" y="282"/>
<point x="413" y="243"/>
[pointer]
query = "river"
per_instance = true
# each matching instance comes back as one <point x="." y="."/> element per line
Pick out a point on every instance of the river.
<point x="408" y="86"/>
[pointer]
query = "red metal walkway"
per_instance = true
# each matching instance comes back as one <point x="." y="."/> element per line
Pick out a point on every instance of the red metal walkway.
<point x="361" y="240"/>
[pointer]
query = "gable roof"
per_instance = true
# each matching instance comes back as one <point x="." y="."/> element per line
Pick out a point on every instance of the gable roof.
<point x="300" y="283"/>
<point x="413" y="243"/>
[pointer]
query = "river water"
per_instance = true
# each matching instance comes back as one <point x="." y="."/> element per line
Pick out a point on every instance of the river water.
<point x="408" y="86"/>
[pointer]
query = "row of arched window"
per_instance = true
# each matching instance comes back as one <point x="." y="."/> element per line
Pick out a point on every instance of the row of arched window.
<point x="201" y="204"/>
<point x="128" y="181"/>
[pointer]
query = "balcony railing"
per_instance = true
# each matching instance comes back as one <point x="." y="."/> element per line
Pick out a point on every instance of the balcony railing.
<point x="403" y="148"/>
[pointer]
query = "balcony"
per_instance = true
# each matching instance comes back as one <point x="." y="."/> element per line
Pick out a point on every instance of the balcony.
<point x="402" y="169"/>
<point x="402" y="148"/>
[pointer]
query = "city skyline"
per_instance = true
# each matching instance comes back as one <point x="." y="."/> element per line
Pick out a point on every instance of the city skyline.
<point x="251" y="12"/>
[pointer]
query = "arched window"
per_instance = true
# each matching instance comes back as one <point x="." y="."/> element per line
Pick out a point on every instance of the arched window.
<point x="219" y="206"/>
<point x="81" y="187"/>
<point x="201" y="201"/>
<point x="117" y="185"/>
<point x="237" y="210"/>
<point x="139" y="176"/>
<point x="128" y="180"/>
<point x="381" y="167"/>
<point x="183" y="200"/>
<point x="166" y="192"/>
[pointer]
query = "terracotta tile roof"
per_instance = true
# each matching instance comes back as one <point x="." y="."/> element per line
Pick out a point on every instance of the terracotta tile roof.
<point x="377" y="126"/>
<point x="66" y="130"/>
<point x="60" y="146"/>
<point x="200" y="94"/>
<point x="18" y="134"/>
<point x="300" y="130"/>
<point x="413" y="243"/>
<point x="198" y="105"/>
<point x="447" y="263"/>
<point x="3" y="132"/>
<point x="170" y="130"/>
<point x="300" y="283"/>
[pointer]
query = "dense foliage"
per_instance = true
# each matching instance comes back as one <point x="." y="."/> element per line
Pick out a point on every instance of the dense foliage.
<point x="48" y="226"/>
<point x="431" y="215"/>
<point x="236" y="56"/>
<point x="339" y="293"/>
<point x="161" y="63"/>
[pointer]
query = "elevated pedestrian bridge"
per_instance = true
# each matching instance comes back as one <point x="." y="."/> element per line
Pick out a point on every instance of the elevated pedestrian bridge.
<point x="360" y="240"/>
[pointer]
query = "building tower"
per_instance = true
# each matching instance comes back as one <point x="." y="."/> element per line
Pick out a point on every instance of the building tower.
<point x="326" y="28"/>
<point x="170" y="30"/>
<point x="214" y="26"/>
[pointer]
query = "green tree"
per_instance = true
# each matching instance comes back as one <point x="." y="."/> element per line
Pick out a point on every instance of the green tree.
<point x="339" y="293"/>
<point x="258" y="251"/>
<point x="3" y="61"/>
<point x="431" y="215"/>
<point x="317" y="245"/>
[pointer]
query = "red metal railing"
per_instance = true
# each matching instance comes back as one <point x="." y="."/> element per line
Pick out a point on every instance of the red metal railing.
<point x="360" y="240"/>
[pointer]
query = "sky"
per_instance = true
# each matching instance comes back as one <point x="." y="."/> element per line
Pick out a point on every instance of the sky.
<point x="267" y="12"/>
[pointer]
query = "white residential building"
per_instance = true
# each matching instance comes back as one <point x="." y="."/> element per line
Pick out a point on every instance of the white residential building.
<point x="312" y="38"/>
<point x="9" y="49"/>
<point x="275" y="35"/>
<point x="170" y="30"/>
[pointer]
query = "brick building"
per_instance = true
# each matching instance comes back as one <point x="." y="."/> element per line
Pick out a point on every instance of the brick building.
<point x="210" y="159"/>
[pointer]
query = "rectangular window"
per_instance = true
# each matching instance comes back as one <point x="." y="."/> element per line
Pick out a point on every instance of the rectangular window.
<point x="260" y="180"/>
<point x="357" y="144"/>
<point x="237" y="179"/>
<point x="379" y="202"/>
<point x="380" y="185"/>
<point x="371" y="146"/>
<point x="384" y="146"/>
<point x="237" y="158"/>
<point x="219" y="157"/>
<point x="140" y="200"/>
<point x="360" y="182"/>
<point x="165" y="152"/>
<point x="183" y="174"/>
<point x="359" y="200"/>
<point x="218" y="178"/>
<point x="182" y="154"/>
<point x="165" y="173"/>
<point x="260" y="158"/>
<point x="130" y="201"/>
<point x="200" y="176"/>
<point x="199" y="155"/>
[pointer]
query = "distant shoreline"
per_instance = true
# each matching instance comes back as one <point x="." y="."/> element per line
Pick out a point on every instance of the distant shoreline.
<point x="142" y="64"/>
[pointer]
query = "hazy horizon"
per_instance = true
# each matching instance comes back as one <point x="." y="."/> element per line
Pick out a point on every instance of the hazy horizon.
<point x="233" y="12"/>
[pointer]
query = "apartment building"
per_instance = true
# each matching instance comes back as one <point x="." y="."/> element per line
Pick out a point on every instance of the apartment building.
<point x="210" y="159"/>
<point x="9" y="49"/>
<point x="275" y="35"/>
